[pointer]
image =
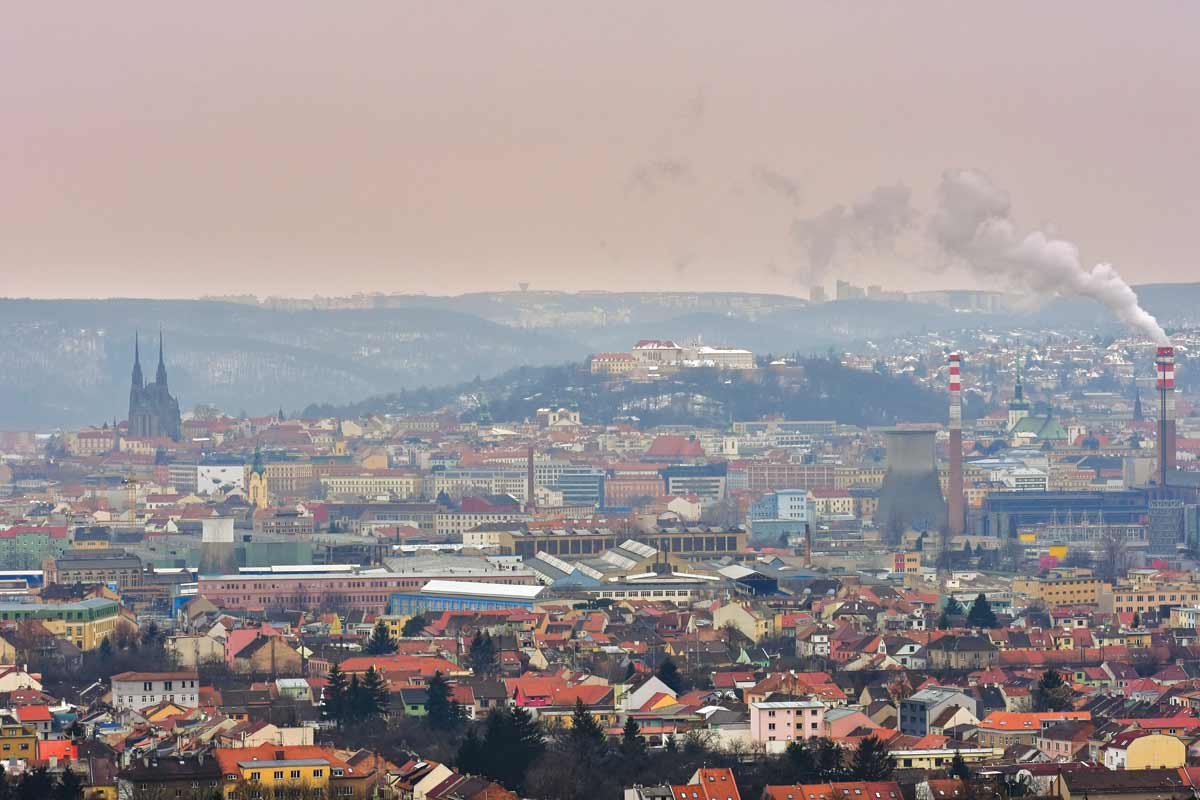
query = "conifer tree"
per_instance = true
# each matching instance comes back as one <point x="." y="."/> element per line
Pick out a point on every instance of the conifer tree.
<point x="376" y="696"/>
<point x="484" y="659"/>
<point x="413" y="626"/>
<point x="668" y="673"/>
<point x="441" y="712"/>
<point x="333" y="703"/>
<point x="381" y="642"/>
<point x="981" y="614"/>
<point x="872" y="761"/>
<point x="633" y="746"/>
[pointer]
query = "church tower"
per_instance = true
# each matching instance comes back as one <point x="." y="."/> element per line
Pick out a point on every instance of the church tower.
<point x="256" y="484"/>
<point x="1018" y="407"/>
<point x="153" y="412"/>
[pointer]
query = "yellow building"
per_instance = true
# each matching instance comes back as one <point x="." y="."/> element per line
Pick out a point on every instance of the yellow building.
<point x="16" y="740"/>
<point x="270" y="770"/>
<point x="1142" y="750"/>
<point x="1072" y="591"/>
<point x="86" y="623"/>
<point x="373" y="483"/>
<point x="1156" y="598"/>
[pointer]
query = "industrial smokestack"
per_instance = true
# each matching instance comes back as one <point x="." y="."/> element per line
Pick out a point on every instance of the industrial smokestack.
<point x="1164" y="363"/>
<point x="530" y="494"/>
<point x="955" y="511"/>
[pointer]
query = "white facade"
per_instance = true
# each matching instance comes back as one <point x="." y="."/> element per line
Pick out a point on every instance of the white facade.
<point x="143" y="689"/>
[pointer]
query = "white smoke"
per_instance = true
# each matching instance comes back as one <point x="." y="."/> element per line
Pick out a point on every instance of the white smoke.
<point x="972" y="223"/>
<point x="872" y="223"/>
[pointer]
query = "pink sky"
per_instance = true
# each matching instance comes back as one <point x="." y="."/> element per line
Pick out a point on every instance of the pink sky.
<point x="159" y="149"/>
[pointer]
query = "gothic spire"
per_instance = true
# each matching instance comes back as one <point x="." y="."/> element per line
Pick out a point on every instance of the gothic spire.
<point x="137" y="363"/>
<point x="161" y="376"/>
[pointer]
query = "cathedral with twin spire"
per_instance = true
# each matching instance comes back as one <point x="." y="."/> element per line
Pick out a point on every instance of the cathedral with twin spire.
<point x="153" y="412"/>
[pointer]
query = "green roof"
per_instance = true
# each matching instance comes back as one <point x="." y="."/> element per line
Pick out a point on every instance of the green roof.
<point x="1040" y="428"/>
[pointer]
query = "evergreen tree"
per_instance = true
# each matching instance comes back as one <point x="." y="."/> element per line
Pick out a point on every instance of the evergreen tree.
<point x="472" y="760"/>
<point x="334" y="699"/>
<point x="671" y="745"/>
<point x="375" y="694"/>
<point x="981" y="614"/>
<point x="872" y="761"/>
<point x="959" y="768"/>
<point x="357" y="706"/>
<point x="106" y="649"/>
<point x="441" y="712"/>
<point x="1137" y="620"/>
<point x="585" y="739"/>
<point x="37" y="784"/>
<point x="633" y="746"/>
<point x="381" y="642"/>
<point x="953" y="608"/>
<point x="828" y="757"/>
<point x="1052" y="693"/>
<point x="6" y="788"/>
<point x="413" y="626"/>
<point x="484" y="659"/>
<point x="511" y="745"/>
<point x="69" y="787"/>
<point x="801" y="761"/>
<point x="668" y="673"/>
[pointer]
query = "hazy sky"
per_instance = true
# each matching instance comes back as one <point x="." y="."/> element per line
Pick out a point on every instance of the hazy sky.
<point x="165" y="149"/>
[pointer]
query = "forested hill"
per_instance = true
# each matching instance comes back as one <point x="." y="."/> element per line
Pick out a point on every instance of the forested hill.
<point x="815" y="389"/>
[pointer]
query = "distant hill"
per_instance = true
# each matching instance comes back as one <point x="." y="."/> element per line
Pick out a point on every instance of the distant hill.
<point x="67" y="362"/>
<point x="819" y="389"/>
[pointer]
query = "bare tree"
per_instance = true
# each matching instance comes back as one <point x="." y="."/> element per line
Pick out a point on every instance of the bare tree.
<point x="1115" y="552"/>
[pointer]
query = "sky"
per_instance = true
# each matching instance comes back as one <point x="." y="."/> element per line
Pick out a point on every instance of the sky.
<point x="295" y="148"/>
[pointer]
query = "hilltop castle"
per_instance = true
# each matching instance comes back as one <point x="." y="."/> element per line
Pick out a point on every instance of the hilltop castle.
<point x="153" y="412"/>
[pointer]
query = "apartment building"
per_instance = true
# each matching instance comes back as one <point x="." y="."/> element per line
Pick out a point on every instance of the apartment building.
<point x="1074" y="591"/>
<point x="142" y="689"/>
<point x="774" y="724"/>
<point x="86" y="623"/>
<point x="374" y="483"/>
<point x="1148" y="598"/>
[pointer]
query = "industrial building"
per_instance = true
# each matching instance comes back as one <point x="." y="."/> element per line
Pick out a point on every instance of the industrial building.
<point x="443" y="595"/>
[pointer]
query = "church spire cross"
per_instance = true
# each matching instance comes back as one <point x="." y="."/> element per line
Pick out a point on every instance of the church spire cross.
<point x="137" y="362"/>
<point x="161" y="377"/>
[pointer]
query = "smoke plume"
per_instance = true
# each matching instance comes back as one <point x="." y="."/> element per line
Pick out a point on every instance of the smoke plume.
<point x="873" y="222"/>
<point x="972" y="223"/>
<point x="783" y="185"/>
<point x="653" y="175"/>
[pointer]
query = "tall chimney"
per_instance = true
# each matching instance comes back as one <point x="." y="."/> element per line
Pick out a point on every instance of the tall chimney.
<point x="1165" y="365"/>
<point x="530" y="495"/>
<point x="955" y="513"/>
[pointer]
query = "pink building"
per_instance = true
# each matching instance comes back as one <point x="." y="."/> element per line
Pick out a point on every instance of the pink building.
<point x="775" y="723"/>
<point x="369" y="591"/>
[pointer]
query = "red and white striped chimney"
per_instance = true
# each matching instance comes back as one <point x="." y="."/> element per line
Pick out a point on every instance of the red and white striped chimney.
<point x="954" y="508"/>
<point x="1164" y="363"/>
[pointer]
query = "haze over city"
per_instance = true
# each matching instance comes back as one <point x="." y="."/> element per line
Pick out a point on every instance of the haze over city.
<point x="644" y="401"/>
<point x="446" y="148"/>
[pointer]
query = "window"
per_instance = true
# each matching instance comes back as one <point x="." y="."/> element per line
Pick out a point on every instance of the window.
<point x="255" y="776"/>
<point x="278" y="774"/>
<point x="295" y="774"/>
<point x="318" y="773"/>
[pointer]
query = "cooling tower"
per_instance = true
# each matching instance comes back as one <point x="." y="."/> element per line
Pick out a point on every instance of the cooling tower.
<point x="217" y="556"/>
<point x="911" y="497"/>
